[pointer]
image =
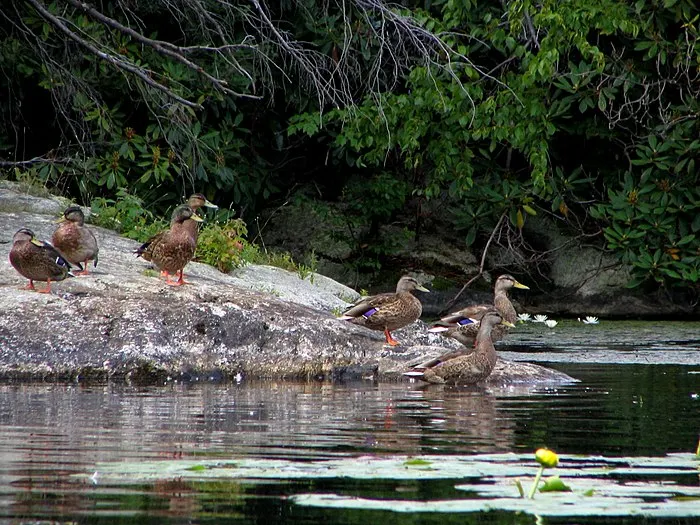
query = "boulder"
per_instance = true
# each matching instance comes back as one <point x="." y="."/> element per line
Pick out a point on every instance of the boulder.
<point x="574" y="276"/>
<point x="123" y="322"/>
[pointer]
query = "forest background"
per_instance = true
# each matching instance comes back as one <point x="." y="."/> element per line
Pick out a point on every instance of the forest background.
<point x="459" y="116"/>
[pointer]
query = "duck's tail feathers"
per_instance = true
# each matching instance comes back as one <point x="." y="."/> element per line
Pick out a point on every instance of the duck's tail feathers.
<point x="140" y="250"/>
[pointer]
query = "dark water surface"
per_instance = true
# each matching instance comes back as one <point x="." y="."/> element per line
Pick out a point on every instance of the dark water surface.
<point x="53" y="437"/>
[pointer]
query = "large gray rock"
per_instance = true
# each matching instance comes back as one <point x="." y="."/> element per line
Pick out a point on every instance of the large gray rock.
<point x="14" y="198"/>
<point x="316" y="290"/>
<point x="122" y="321"/>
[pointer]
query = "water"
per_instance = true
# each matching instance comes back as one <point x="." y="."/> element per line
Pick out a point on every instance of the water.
<point x="53" y="438"/>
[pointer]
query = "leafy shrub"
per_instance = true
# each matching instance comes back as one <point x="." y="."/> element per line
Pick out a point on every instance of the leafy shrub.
<point x="222" y="244"/>
<point x="127" y="216"/>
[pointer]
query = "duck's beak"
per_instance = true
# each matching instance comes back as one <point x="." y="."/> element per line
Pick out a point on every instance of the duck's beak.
<point x="508" y="323"/>
<point x="516" y="284"/>
<point x="196" y="218"/>
<point x="422" y="288"/>
<point x="210" y="205"/>
<point x="37" y="242"/>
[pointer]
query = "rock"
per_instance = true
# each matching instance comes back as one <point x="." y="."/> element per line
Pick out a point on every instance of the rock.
<point x="13" y="199"/>
<point x="584" y="280"/>
<point x="573" y="277"/>
<point x="123" y="322"/>
<point x="319" y="292"/>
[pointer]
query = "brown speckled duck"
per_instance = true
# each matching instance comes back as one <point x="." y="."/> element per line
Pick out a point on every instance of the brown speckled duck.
<point x="172" y="249"/>
<point x="74" y="240"/>
<point x="196" y="201"/>
<point x="465" y="369"/>
<point x="463" y="325"/>
<point x="37" y="260"/>
<point x="388" y="311"/>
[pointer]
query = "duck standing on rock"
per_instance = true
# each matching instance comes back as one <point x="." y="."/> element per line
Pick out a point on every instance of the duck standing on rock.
<point x="465" y="369"/>
<point x="74" y="240"/>
<point x="388" y="311"/>
<point x="463" y="325"/>
<point x="172" y="249"/>
<point x="196" y="201"/>
<point x="37" y="260"/>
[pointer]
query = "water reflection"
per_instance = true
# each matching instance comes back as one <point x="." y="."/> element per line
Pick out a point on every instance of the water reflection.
<point x="48" y="432"/>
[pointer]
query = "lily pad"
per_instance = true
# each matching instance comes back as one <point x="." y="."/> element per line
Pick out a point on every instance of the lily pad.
<point x="599" y="486"/>
<point x="556" y="504"/>
<point x="554" y="484"/>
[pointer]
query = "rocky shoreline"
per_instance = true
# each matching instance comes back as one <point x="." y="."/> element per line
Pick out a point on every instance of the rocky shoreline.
<point x="123" y="323"/>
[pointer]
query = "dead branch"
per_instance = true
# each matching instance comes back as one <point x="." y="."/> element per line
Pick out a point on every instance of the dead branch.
<point x="115" y="61"/>
<point x="496" y="228"/>
<point x="164" y="48"/>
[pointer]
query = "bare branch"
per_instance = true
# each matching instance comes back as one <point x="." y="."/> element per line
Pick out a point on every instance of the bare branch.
<point x="160" y="46"/>
<point x="496" y="228"/>
<point x="117" y="62"/>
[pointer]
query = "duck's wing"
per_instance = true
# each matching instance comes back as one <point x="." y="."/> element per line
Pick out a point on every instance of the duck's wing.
<point x="369" y="305"/>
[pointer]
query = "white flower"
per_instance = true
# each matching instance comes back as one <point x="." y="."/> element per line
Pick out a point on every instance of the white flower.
<point x="524" y="318"/>
<point x="551" y="323"/>
<point x="590" y="320"/>
<point x="540" y="318"/>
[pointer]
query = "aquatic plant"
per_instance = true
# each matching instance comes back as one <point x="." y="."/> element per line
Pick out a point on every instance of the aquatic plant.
<point x="540" y="318"/>
<point x="547" y="459"/>
<point x="524" y="318"/>
<point x="605" y="486"/>
<point x="589" y="319"/>
<point x="551" y="323"/>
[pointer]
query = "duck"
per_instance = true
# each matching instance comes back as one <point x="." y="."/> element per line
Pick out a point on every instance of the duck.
<point x="172" y="249"/>
<point x="196" y="201"/>
<point x="458" y="368"/>
<point x="388" y="311"/>
<point x="37" y="260"/>
<point x="463" y="325"/>
<point x="75" y="241"/>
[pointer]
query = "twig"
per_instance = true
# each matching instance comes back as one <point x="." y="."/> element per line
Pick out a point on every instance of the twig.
<point x="481" y="266"/>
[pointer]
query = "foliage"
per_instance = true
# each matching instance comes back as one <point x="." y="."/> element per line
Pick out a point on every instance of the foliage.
<point x="221" y="244"/>
<point x="285" y="261"/>
<point x="481" y="114"/>
<point x="127" y="216"/>
<point x="222" y="240"/>
<point x="586" y="111"/>
<point x="654" y="219"/>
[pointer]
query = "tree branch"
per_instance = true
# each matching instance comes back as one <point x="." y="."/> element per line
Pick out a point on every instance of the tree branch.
<point x="160" y="46"/>
<point x="481" y="266"/>
<point x="119" y="63"/>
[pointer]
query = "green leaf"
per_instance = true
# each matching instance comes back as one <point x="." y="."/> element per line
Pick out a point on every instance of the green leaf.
<point x="417" y="462"/>
<point x="529" y="210"/>
<point x="554" y="484"/>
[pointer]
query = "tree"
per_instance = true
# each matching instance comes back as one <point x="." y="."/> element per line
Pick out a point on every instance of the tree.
<point x="585" y="111"/>
<point x="165" y="93"/>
